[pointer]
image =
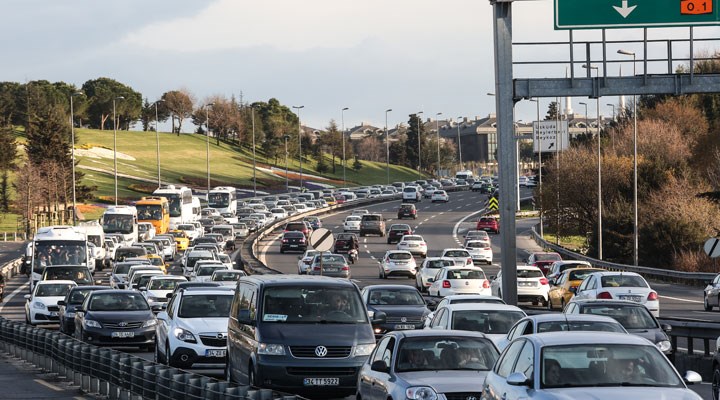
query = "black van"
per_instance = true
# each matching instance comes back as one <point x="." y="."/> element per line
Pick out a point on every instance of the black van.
<point x="307" y="335"/>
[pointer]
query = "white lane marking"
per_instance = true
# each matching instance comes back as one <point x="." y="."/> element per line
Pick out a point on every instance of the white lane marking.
<point x="15" y="292"/>
<point x="336" y="226"/>
<point x="441" y="213"/>
<point x="365" y="241"/>
<point x="365" y="246"/>
<point x="457" y="225"/>
<point x="48" y="385"/>
<point x="267" y="246"/>
<point x="367" y="251"/>
<point x="426" y="220"/>
<point x="433" y="216"/>
<point x="372" y="257"/>
<point x="679" y="299"/>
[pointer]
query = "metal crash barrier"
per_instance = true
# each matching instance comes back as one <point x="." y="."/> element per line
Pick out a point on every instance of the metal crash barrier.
<point x="114" y="374"/>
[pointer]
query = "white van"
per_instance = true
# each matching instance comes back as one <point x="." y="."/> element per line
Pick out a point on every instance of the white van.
<point x="411" y="193"/>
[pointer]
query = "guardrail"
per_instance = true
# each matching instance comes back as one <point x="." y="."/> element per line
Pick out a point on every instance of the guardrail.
<point x="12" y="236"/>
<point x="655" y="273"/>
<point x="116" y="375"/>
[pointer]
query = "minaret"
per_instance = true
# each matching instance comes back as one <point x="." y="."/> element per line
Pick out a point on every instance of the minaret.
<point x="568" y="102"/>
<point x="622" y="97"/>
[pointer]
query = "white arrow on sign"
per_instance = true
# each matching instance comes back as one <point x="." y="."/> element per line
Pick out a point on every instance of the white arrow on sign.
<point x="624" y="10"/>
<point x="712" y="247"/>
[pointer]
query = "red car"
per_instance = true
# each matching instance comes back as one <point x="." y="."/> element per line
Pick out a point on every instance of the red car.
<point x="490" y="224"/>
<point x="543" y="260"/>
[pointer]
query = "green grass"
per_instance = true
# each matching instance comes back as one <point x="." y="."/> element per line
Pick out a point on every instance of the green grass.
<point x="568" y="242"/>
<point x="8" y="222"/>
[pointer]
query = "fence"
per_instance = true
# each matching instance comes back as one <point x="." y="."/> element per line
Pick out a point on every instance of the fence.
<point x="114" y="374"/>
<point x="12" y="236"/>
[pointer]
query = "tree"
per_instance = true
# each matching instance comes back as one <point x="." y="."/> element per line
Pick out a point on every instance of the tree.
<point x="371" y="149"/>
<point x="179" y="105"/>
<point x="101" y="93"/>
<point x="331" y="140"/>
<point x="413" y="137"/>
<point x="225" y="117"/>
<point x="357" y="165"/>
<point x="8" y="152"/>
<point x="552" y="113"/>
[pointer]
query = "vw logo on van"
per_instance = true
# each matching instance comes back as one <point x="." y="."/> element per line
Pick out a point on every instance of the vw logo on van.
<point x="321" y="351"/>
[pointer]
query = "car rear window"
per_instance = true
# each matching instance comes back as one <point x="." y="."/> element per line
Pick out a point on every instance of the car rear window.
<point x="293" y="234"/>
<point x="457" y="253"/>
<point x="529" y="273"/>
<point x="439" y="263"/>
<point x="409" y="190"/>
<point x="295" y="226"/>
<point x="547" y="257"/>
<point x="466" y="274"/>
<point x="399" y="256"/>
<point x="371" y="218"/>
<point x="622" y="281"/>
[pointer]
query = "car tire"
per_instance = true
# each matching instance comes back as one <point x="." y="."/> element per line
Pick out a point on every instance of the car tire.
<point x="716" y="382"/>
<point x="168" y="356"/>
<point x="550" y="305"/>
<point x="562" y="304"/>
<point x="158" y="357"/>
<point x="282" y="251"/>
<point x="380" y="274"/>
<point x="707" y="305"/>
<point x="252" y="377"/>
<point x="228" y="374"/>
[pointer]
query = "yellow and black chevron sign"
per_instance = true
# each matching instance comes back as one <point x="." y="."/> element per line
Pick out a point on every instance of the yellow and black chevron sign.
<point x="493" y="203"/>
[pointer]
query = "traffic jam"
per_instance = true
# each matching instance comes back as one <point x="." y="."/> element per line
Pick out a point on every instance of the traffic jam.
<point x="359" y="301"/>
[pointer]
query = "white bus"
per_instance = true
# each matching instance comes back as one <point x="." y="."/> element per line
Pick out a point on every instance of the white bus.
<point x="58" y="245"/>
<point x="181" y="204"/>
<point x="223" y="199"/>
<point x="95" y="235"/>
<point x="123" y="220"/>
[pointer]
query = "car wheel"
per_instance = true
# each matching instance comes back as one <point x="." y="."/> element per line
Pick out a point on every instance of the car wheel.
<point x="716" y="383"/>
<point x="550" y="305"/>
<point x="707" y="305"/>
<point x="282" y="251"/>
<point x="168" y="356"/>
<point x="562" y="304"/>
<point x="380" y="273"/>
<point x="544" y="302"/>
<point x="228" y="374"/>
<point x="252" y="377"/>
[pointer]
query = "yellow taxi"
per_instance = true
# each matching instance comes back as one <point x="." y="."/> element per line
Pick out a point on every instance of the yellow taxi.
<point x="330" y="200"/>
<point x="565" y="285"/>
<point x="181" y="239"/>
<point x="157" y="261"/>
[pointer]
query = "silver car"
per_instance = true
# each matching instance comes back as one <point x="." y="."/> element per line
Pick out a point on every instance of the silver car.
<point x="586" y="365"/>
<point x="426" y="365"/>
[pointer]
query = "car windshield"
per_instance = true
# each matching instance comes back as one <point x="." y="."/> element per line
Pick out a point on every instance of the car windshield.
<point x="486" y="321"/>
<point x="547" y="257"/>
<point x="78" y="295"/>
<point x="465" y="274"/>
<point x="208" y="270"/>
<point x="456" y="253"/>
<point x="117" y="302"/>
<point x="529" y="273"/>
<point x="186" y="227"/>
<point x="395" y="297"/>
<point x="163" y="284"/>
<point x="330" y="259"/>
<point x="399" y="256"/>
<point x="205" y="306"/>
<point x="53" y="290"/>
<point x="597" y="326"/>
<point x="622" y="281"/>
<point x="564" y="266"/>
<point x="630" y="316"/>
<point x="445" y="353"/>
<point x="606" y="365"/>
<point x="313" y="305"/>
<point x="371" y="218"/>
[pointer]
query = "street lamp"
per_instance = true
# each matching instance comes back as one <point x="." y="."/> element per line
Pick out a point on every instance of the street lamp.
<point x="586" y="118"/>
<point x="613" y="110"/>
<point x="252" y="117"/>
<point x="459" y="145"/>
<point x="207" y="144"/>
<point x="342" y="119"/>
<point x="115" y="148"/>
<point x="387" y="147"/>
<point x="157" y="139"/>
<point x="599" y="165"/>
<point x="437" y="128"/>
<point x="418" y="137"/>
<point x="287" y="177"/>
<point x="72" y="138"/>
<point x="539" y="138"/>
<point x="300" y="143"/>
<point x="635" y="174"/>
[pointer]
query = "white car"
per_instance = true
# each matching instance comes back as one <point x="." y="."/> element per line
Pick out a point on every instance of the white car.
<point x="41" y="306"/>
<point x="203" y="270"/>
<point x="532" y="285"/>
<point x="301" y="208"/>
<point x="360" y="212"/>
<point x="227" y="278"/>
<point x="226" y="260"/>
<point x="459" y="255"/>
<point x="480" y="251"/>
<point x="194" y="328"/>
<point x="241" y="230"/>
<point x="159" y="287"/>
<point x="352" y="223"/>
<point x="398" y="262"/>
<point x="492" y="319"/>
<point x="428" y="191"/>
<point x="621" y="286"/>
<point x="459" y="280"/>
<point x="415" y="244"/>
<point x="429" y="269"/>
<point x="440" y="195"/>
<point x="279" y="213"/>
<point x="305" y="260"/>
<point x="462" y="299"/>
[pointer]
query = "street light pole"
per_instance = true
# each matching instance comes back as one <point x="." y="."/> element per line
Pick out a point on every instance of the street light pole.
<point x="635" y="169"/>
<point x="252" y="118"/>
<point x="586" y="118"/>
<point x="599" y="165"/>
<point x="437" y="128"/>
<point x="115" y="147"/>
<point x="387" y="146"/>
<point x="157" y="140"/>
<point x="342" y="119"/>
<point x="300" y="143"/>
<point x="613" y="110"/>
<point x="287" y="177"/>
<point x="207" y="145"/>
<point x="539" y="138"/>
<point x="72" y="138"/>
<point x="460" y="168"/>
<point x="418" y="114"/>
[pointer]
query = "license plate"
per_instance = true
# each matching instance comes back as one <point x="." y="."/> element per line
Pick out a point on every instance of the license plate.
<point x="215" y="353"/>
<point x="123" y="334"/>
<point x="321" y="381"/>
<point x="404" y="326"/>
<point x="331" y="269"/>
<point x="636" y="299"/>
<point x="293" y="245"/>
<point x="486" y="229"/>
<point x="413" y="245"/>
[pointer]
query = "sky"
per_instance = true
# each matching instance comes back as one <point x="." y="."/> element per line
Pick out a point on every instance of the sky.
<point x="370" y="56"/>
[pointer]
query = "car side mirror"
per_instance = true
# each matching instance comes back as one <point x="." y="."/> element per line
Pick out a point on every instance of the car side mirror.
<point x="492" y="277"/>
<point x="518" y="379"/>
<point x="27" y="297"/>
<point x="379" y="317"/>
<point x="169" y="295"/>
<point x="61" y="303"/>
<point x="159" y="307"/>
<point x="551" y="282"/>
<point x="573" y="290"/>
<point x="379" y="366"/>
<point x="142" y="289"/>
<point x="692" y="377"/>
<point x="666" y="328"/>
<point x="431" y="280"/>
<point x="162" y="316"/>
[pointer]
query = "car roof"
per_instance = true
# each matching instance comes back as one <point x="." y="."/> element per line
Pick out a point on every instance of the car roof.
<point x="281" y="279"/>
<point x="63" y="281"/>
<point x="528" y="267"/>
<point x="482" y="307"/>
<point x="398" y="251"/>
<point x="436" y="333"/>
<point x="469" y="296"/>
<point x="453" y="249"/>
<point x="615" y="273"/>
<point x="201" y="290"/>
<point x="586" y="337"/>
<point x="582" y="302"/>
<point x="169" y="277"/>
<point x="563" y="262"/>
<point x="389" y="287"/>
<point x="92" y="287"/>
<point x="560" y="317"/>
<point x="455" y="267"/>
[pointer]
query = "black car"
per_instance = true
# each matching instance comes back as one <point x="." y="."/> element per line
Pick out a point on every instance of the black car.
<point x="293" y="241"/>
<point x="68" y="306"/>
<point x="634" y="317"/>
<point x="407" y="211"/>
<point x="403" y="306"/>
<point x="207" y="224"/>
<point x="397" y="231"/>
<point x="116" y="318"/>
<point x="344" y="242"/>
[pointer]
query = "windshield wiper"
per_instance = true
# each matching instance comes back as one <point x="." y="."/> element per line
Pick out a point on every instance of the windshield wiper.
<point x="325" y="321"/>
<point x="627" y="384"/>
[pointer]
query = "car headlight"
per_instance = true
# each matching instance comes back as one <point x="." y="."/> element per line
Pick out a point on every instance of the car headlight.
<point x="90" y="323"/>
<point x="364" y="349"/>
<point x="420" y="393"/>
<point x="271" y="349"/>
<point x="149" y="323"/>
<point x="184" y="335"/>
<point x="39" y="305"/>
<point x="664" y="346"/>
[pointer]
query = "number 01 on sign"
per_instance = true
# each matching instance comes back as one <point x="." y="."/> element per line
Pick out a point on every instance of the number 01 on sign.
<point x="695" y="7"/>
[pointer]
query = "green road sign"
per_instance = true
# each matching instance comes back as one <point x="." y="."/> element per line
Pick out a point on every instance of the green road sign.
<point x="493" y="203"/>
<point x="597" y="14"/>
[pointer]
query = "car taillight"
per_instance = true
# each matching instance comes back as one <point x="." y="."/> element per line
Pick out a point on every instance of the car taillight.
<point x="486" y="284"/>
<point x="543" y="281"/>
<point x="302" y="240"/>
<point x="317" y="268"/>
<point x="446" y="284"/>
<point x="604" y="295"/>
<point x="468" y="261"/>
<point x="488" y="248"/>
<point x="284" y="241"/>
<point x="652" y="296"/>
<point x="346" y="268"/>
